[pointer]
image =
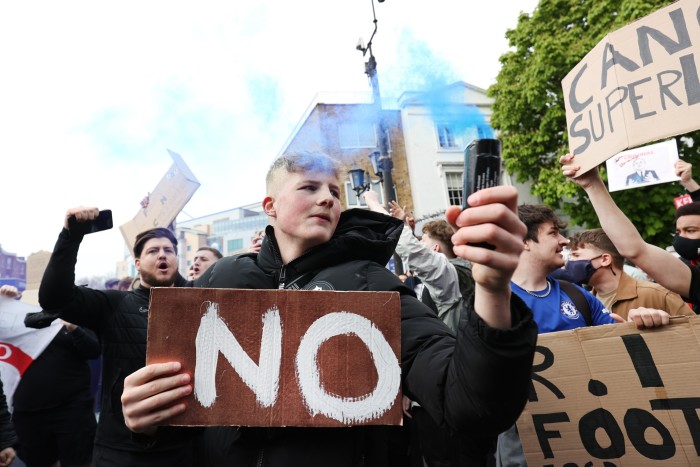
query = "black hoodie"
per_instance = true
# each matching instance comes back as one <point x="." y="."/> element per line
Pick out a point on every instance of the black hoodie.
<point x="473" y="385"/>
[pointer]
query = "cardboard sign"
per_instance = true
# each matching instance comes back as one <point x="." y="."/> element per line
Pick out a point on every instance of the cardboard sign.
<point x="614" y="396"/>
<point x="639" y="84"/>
<point x="165" y="202"/>
<point x="281" y="357"/>
<point x="649" y="165"/>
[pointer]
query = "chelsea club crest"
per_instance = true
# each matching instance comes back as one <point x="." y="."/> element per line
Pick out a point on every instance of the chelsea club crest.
<point x="569" y="310"/>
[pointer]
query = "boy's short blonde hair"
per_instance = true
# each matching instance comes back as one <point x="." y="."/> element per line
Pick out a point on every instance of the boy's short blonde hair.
<point x="303" y="162"/>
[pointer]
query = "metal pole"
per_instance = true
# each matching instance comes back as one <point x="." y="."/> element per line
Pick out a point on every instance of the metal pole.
<point x="384" y="157"/>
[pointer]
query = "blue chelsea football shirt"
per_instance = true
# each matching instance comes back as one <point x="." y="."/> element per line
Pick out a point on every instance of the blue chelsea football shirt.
<point x="557" y="312"/>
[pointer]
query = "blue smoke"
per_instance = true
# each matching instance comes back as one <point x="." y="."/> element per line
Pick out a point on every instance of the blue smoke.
<point x="436" y="83"/>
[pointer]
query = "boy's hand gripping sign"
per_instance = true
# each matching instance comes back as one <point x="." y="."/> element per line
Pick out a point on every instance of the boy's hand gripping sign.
<point x="280" y="357"/>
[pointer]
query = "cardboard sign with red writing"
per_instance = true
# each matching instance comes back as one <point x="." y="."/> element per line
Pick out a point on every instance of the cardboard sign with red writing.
<point x="639" y="84"/>
<point x="615" y="396"/>
<point x="281" y="357"/>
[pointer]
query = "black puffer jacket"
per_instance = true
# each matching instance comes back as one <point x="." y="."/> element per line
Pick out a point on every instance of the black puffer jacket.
<point x="8" y="438"/>
<point x="120" y="319"/>
<point x="474" y="386"/>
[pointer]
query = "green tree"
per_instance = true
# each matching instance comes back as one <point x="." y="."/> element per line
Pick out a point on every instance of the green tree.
<point x="530" y="115"/>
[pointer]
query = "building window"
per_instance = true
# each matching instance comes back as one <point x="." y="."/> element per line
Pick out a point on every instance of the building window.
<point x="453" y="180"/>
<point x="351" y="199"/>
<point x="446" y="136"/>
<point x="189" y="247"/>
<point x="235" y="244"/>
<point x="451" y="136"/>
<point x="357" y="135"/>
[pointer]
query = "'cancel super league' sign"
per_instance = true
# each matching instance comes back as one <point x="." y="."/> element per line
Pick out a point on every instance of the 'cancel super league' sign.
<point x="639" y="84"/>
<point x="281" y="358"/>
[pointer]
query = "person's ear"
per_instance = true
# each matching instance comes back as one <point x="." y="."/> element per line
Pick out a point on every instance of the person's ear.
<point x="526" y="244"/>
<point x="605" y="260"/>
<point x="436" y="248"/>
<point x="137" y="264"/>
<point x="268" y="205"/>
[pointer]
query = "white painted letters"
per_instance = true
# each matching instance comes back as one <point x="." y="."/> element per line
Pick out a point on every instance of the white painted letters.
<point x="346" y="409"/>
<point x="214" y="336"/>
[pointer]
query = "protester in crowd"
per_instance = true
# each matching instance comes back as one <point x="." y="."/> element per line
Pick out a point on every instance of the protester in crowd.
<point x="413" y="283"/>
<point x="553" y="308"/>
<point x="595" y="261"/>
<point x="112" y="284"/>
<point x="473" y="384"/>
<point x="256" y="241"/>
<point x="10" y="291"/>
<point x="8" y="438"/>
<point x="432" y="260"/>
<point x="556" y="305"/>
<point x="684" y="170"/>
<point x="126" y="283"/>
<point x="120" y="320"/>
<point x="676" y="275"/>
<point x="634" y="272"/>
<point x="58" y="425"/>
<point x="203" y="259"/>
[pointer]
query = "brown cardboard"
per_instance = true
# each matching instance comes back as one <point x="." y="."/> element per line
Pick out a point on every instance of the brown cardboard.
<point x="643" y="92"/>
<point x="636" y="375"/>
<point x="347" y="372"/>
<point x="165" y="202"/>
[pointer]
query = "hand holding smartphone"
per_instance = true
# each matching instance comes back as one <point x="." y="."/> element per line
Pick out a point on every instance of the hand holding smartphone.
<point x="102" y="222"/>
<point x="482" y="169"/>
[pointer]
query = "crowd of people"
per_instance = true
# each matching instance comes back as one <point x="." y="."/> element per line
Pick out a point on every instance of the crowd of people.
<point x="467" y="337"/>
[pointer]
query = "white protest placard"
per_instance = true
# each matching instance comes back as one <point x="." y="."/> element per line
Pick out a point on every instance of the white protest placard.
<point x="648" y="165"/>
<point x="165" y="202"/>
<point x="639" y="84"/>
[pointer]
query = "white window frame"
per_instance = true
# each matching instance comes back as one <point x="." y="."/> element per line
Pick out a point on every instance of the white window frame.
<point x="447" y="139"/>
<point x="351" y="136"/>
<point x="459" y="139"/>
<point x="455" y="174"/>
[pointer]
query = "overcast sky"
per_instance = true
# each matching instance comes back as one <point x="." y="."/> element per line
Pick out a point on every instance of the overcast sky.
<point x="94" y="93"/>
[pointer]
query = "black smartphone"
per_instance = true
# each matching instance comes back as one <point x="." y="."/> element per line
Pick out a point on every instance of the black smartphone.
<point x="102" y="222"/>
<point x="482" y="167"/>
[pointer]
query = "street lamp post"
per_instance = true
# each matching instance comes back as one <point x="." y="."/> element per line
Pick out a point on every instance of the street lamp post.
<point x="383" y="165"/>
<point x="381" y="160"/>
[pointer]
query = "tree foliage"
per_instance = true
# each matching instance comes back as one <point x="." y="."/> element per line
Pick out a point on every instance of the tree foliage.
<point x="530" y="115"/>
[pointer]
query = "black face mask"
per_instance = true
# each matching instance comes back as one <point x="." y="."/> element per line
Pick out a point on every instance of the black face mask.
<point x="580" y="271"/>
<point x="688" y="248"/>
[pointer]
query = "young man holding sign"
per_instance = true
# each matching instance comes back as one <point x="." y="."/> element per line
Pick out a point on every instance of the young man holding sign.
<point x="473" y="385"/>
<point x="679" y="276"/>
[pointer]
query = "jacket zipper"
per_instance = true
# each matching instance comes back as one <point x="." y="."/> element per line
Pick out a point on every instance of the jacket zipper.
<point x="283" y="273"/>
<point x="261" y="456"/>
